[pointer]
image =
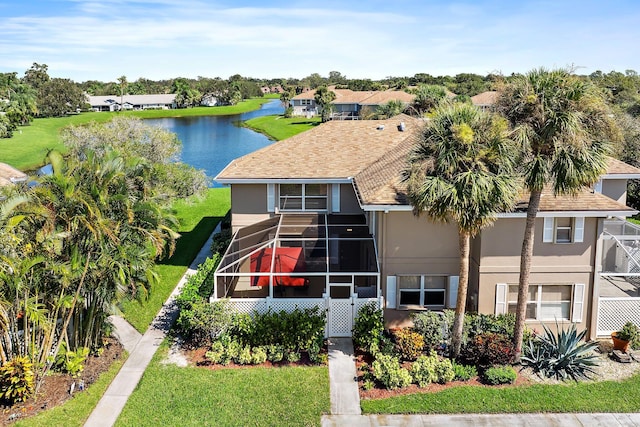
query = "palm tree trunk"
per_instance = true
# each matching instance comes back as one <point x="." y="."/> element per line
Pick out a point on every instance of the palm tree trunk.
<point x="461" y="301"/>
<point x="525" y="268"/>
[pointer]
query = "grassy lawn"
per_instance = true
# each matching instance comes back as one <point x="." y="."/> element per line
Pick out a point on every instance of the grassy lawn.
<point x="605" y="396"/>
<point x="74" y="412"/>
<point x="197" y="221"/>
<point x="171" y="396"/>
<point x="27" y="148"/>
<point x="279" y="128"/>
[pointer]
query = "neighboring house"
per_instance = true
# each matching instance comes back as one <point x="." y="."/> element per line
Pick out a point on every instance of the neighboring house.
<point x="485" y="100"/>
<point x="348" y="103"/>
<point x="132" y="102"/>
<point x="322" y="220"/>
<point x="10" y="175"/>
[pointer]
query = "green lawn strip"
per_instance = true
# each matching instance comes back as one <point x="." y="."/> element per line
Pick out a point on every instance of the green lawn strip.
<point x="198" y="219"/>
<point x="605" y="396"/>
<point x="170" y="395"/>
<point x="75" y="411"/>
<point x="279" y="128"/>
<point x="27" y="148"/>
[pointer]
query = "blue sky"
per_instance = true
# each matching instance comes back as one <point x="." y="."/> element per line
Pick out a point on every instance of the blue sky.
<point x="157" y="39"/>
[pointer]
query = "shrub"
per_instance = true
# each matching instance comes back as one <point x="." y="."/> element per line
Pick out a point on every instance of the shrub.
<point x="488" y="349"/>
<point x="233" y="349"/>
<point x="409" y="344"/>
<point x="71" y="362"/>
<point x="488" y="323"/>
<point x="259" y="355"/>
<point x="431" y="325"/>
<point x="217" y="353"/>
<point x="499" y="375"/>
<point x="314" y="352"/>
<point x="387" y="370"/>
<point x="423" y="370"/>
<point x="16" y="380"/>
<point x="204" y="321"/>
<point x="630" y="332"/>
<point x="275" y="353"/>
<point x="221" y="241"/>
<point x="244" y="357"/>
<point x="293" y="356"/>
<point x="295" y="331"/>
<point x="197" y="287"/>
<point x="464" y="372"/>
<point x="444" y="371"/>
<point x="368" y="328"/>
<point x="563" y="355"/>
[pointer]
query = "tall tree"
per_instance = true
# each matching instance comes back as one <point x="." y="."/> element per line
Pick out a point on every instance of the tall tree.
<point x="323" y="98"/>
<point x="563" y="125"/>
<point x="428" y="97"/>
<point x="58" y="97"/>
<point x="122" y="84"/>
<point x="462" y="171"/>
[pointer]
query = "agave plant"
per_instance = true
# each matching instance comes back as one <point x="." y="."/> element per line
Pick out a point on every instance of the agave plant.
<point x="563" y="355"/>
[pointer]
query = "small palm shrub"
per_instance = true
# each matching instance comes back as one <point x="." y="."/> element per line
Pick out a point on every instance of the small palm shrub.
<point x="17" y="380"/>
<point x="488" y="349"/>
<point x="499" y="375"/>
<point x="368" y="328"/>
<point x="464" y="372"/>
<point x="563" y="355"/>
<point x="71" y="362"/>
<point x="409" y="344"/>
<point x="388" y="372"/>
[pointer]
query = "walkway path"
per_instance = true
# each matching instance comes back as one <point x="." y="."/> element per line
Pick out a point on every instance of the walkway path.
<point x="141" y="350"/>
<point x="345" y="398"/>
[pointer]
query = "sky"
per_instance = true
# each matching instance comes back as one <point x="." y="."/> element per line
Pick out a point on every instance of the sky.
<point x="162" y="39"/>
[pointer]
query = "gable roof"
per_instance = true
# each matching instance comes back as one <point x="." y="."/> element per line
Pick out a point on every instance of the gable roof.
<point x="362" y="97"/>
<point x="161" y="98"/>
<point x="333" y="150"/>
<point x="621" y="170"/>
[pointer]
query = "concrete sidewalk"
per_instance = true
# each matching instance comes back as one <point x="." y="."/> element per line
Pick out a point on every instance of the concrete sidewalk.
<point x="345" y="398"/>
<point x="141" y="350"/>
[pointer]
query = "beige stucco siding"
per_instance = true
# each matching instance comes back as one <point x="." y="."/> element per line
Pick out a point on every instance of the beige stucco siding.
<point x="248" y="204"/>
<point x="615" y="189"/>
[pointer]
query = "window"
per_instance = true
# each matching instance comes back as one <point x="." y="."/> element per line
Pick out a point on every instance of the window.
<point x="422" y="291"/>
<point x="306" y="101"/>
<point x="546" y="302"/>
<point x="563" y="230"/>
<point x="303" y="197"/>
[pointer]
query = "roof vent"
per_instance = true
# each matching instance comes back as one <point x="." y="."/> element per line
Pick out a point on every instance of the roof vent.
<point x="380" y="127"/>
<point x="401" y="127"/>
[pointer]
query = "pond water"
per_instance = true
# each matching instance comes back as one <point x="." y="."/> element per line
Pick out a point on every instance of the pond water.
<point x="211" y="142"/>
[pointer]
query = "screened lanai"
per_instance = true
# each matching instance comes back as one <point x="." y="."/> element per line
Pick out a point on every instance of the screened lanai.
<point x="300" y="256"/>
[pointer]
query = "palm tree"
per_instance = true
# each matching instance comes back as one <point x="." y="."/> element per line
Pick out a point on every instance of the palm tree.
<point x="122" y="82"/>
<point x="461" y="171"/>
<point x="323" y="98"/>
<point x="563" y="124"/>
<point x="390" y="109"/>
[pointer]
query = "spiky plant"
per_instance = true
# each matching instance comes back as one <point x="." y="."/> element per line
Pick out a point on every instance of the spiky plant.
<point x="563" y="355"/>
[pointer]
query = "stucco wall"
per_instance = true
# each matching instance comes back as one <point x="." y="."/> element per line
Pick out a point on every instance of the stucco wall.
<point x="615" y="189"/>
<point x="248" y="204"/>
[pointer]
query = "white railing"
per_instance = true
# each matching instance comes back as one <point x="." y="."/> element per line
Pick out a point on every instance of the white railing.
<point x="613" y="313"/>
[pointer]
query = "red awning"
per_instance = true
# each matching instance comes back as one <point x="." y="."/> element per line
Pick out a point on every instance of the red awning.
<point x="287" y="260"/>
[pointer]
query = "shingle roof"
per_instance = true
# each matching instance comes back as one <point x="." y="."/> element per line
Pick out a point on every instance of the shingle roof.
<point x="348" y="96"/>
<point x="167" y="98"/>
<point x="485" y="98"/>
<point x="10" y="175"/>
<point x="617" y="167"/>
<point x="336" y="149"/>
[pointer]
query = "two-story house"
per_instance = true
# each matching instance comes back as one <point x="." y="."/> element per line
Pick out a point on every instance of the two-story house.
<point x="322" y="219"/>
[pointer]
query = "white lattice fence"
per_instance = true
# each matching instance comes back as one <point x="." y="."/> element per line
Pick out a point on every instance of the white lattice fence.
<point x="613" y="313"/>
<point x="262" y="305"/>
<point x="361" y="302"/>
<point x="249" y="305"/>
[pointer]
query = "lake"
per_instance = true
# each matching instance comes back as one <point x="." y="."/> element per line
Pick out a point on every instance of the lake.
<point x="211" y="142"/>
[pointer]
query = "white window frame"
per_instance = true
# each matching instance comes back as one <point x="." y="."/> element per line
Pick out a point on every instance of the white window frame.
<point x="421" y="291"/>
<point x="551" y="228"/>
<point x="303" y="198"/>
<point x="539" y="301"/>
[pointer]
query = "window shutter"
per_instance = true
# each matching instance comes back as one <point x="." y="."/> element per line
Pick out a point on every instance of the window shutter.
<point x="578" y="302"/>
<point x="501" y="298"/>
<point x="335" y="198"/>
<point x="578" y="229"/>
<point x="391" y="292"/>
<point x="452" y="291"/>
<point x="271" y="197"/>
<point x="547" y="236"/>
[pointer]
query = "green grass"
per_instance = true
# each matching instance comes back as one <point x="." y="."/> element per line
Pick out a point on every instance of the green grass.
<point x="169" y="395"/>
<point x="197" y="222"/>
<point x="279" y="128"/>
<point x="605" y="396"/>
<point x="74" y="412"/>
<point x="27" y="149"/>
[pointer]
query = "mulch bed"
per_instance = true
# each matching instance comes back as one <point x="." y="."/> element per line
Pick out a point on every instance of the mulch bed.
<point x="55" y="389"/>
<point x="381" y="393"/>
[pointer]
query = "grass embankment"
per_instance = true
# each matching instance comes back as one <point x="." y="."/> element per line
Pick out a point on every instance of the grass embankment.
<point x="279" y="128"/>
<point x="75" y="412"/>
<point x="27" y="148"/>
<point x="170" y="395"/>
<point x="197" y="221"/>
<point x="605" y="396"/>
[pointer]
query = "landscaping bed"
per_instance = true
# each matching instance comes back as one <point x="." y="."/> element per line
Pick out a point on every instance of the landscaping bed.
<point x="56" y="387"/>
